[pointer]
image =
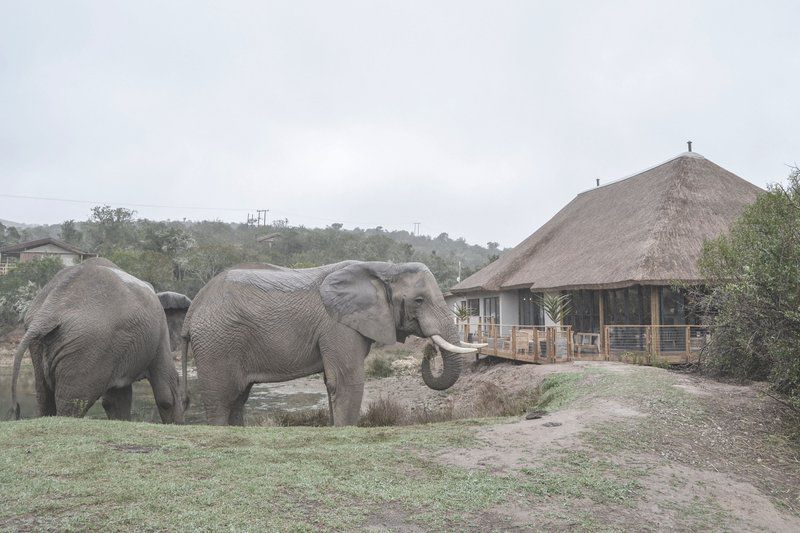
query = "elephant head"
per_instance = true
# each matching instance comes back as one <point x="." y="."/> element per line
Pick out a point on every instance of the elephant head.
<point x="175" y="306"/>
<point x="386" y="303"/>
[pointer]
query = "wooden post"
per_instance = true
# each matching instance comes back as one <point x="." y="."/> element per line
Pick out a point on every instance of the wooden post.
<point x="493" y="334"/>
<point x="655" y="320"/>
<point x="688" y="342"/>
<point x="514" y="342"/>
<point x="535" y="345"/>
<point x="602" y="306"/>
<point x="570" y="347"/>
<point x="607" y="344"/>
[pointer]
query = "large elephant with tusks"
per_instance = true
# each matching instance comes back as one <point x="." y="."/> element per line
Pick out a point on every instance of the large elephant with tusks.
<point x="92" y="331"/>
<point x="257" y="325"/>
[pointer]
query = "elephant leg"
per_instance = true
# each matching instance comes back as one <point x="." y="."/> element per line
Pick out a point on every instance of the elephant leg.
<point x="74" y="405"/>
<point x="343" y="352"/>
<point x="45" y="397"/>
<point x="220" y="392"/>
<point x="117" y="403"/>
<point x="77" y="389"/>
<point x="236" y="416"/>
<point x="330" y="403"/>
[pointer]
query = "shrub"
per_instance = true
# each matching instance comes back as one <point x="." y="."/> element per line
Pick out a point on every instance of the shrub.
<point x="754" y="292"/>
<point x="379" y="367"/>
<point x="382" y="412"/>
<point x="492" y="400"/>
<point x="307" y="417"/>
<point x="407" y="366"/>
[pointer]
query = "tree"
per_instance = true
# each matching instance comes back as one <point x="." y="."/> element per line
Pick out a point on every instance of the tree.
<point x="112" y="228"/>
<point x="19" y="287"/>
<point x="753" y="292"/>
<point x="205" y="262"/>
<point x="152" y="267"/>
<point x="70" y="233"/>
<point x="10" y="235"/>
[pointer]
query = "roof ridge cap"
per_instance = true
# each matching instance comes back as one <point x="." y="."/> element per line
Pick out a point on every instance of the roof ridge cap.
<point x="694" y="155"/>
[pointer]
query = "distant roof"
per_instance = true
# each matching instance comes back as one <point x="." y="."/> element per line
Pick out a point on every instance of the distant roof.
<point x="647" y="229"/>
<point x="268" y="237"/>
<point x="21" y="247"/>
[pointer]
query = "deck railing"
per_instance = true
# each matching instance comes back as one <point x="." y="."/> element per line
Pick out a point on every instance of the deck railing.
<point x="5" y="268"/>
<point x="629" y="343"/>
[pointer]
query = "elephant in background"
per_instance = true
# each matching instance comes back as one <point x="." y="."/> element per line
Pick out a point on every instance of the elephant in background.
<point x="268" y="324"/>
<point x="175" y="306"/>
<point x="92" y="331"/>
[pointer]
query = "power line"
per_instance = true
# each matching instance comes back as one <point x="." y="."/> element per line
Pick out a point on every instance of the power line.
<point x="204" y="208"/>
<point x="24" y="197"/>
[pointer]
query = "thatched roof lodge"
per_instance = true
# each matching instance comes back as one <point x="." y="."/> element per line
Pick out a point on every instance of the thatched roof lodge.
<point x="617" y="248"/>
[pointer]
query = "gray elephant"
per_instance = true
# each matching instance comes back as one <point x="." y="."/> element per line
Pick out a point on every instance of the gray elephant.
<point x="256" y="325"/>
<point x="175" y="306"/>
<point x="92" y="331"/>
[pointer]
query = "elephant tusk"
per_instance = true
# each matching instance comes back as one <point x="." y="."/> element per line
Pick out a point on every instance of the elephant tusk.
<point x="473" y="345"/>
<point x="444" y="345"/>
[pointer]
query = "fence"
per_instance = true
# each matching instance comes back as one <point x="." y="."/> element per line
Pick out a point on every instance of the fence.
<point x="552" y="344"/>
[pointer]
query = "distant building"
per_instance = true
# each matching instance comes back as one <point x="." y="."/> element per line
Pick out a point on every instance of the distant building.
<point x="32" y="250"/>
<point x="617" y="249"/>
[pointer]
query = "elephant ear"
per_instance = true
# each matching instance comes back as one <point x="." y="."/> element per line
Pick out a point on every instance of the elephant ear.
<point x="359" y="297"/>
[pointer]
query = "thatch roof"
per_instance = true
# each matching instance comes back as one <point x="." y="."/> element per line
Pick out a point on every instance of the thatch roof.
<point x="645" y="229"/>
<point x="21" y="247"/>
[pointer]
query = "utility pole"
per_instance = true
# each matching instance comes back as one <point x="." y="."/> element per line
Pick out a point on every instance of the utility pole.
<point x="416" y="229"/>
<point x="262" y="217"/>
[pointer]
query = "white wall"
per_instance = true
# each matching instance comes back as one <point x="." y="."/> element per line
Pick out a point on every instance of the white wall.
<point x="509" y="307"/>
<point x="509" y="304"/>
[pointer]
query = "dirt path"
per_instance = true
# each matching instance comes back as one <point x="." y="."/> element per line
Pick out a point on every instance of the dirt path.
<point x="715" y="469"/>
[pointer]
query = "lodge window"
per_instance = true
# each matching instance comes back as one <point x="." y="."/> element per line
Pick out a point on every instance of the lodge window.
<point x="628" y="306"/>
<point x="474" y="306"/>
<point x="585" y="316"/>
<point x="674" y="309"/>
<point x="491" y="308"/>
<point x="530" y="314"/>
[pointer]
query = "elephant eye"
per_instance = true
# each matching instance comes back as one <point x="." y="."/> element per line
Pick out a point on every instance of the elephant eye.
<point x="419" y="299"/>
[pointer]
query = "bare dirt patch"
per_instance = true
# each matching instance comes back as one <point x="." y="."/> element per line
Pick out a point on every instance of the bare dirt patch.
<point x="713" y="456"/>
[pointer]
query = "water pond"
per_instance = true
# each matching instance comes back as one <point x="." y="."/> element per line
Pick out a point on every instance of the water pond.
<point x="265" y="398"/>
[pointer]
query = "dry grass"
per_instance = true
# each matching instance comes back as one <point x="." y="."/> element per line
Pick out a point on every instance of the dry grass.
<point x="490" y="401"/>
<point x="306" y="417"/>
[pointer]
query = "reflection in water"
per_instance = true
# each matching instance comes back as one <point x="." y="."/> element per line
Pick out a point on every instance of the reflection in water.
<point x="264" y="398"/>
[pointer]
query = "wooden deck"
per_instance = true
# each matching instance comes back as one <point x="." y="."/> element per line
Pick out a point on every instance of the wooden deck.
<point x="554" y="344"/>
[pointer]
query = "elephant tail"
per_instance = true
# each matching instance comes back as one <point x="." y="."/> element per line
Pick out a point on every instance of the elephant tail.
<point x="21" y="349"/>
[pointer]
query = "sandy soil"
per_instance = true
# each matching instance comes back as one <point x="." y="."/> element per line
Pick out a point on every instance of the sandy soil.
<point x="722" y="479"/>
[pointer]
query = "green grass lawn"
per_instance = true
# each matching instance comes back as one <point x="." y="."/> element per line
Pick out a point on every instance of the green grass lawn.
<point x="93" y="474"/>
<point x="69" y="474"/>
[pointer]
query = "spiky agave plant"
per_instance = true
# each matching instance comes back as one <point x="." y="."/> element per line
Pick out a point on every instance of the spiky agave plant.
<point x="556" y="306"/>
<point x="462" y="313"/>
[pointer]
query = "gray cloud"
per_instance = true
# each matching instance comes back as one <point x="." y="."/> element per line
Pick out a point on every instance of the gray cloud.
<point x="480" y="119"/>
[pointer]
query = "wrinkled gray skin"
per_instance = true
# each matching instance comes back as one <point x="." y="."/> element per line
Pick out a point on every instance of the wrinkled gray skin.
<point x="92" y="331"/>
<point x="175" y="306"/>
<point x="272" y="324"/>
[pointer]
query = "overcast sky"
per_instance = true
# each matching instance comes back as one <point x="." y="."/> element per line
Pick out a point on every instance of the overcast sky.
<point x="479" y="119"/>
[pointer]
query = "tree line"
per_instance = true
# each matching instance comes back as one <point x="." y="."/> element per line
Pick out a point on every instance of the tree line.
<point x="184" y="255"/>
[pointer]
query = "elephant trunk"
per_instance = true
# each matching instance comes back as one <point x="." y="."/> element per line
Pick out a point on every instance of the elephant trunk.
<point x="452" y="361"/>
